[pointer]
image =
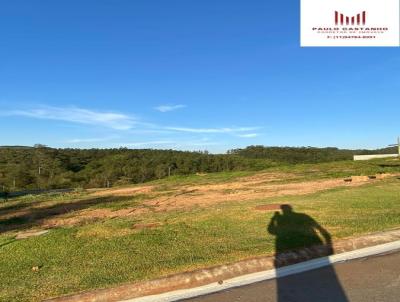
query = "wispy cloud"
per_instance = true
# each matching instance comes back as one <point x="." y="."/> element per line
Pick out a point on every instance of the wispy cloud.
<point x="148" y="135"/>
<point x="112" y="120"/>
<point x="174" y="144"/>
<point x="248" y="135"/>
<point x="167" y="108"/>
<point x="90" y="140"/>
<point x="149" y="143"/>
<point x="197" y="144"/>
<point x="212" y="130"/>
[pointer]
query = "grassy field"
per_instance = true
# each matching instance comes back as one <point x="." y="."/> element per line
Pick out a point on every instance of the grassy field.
<point x="102" y="252"/>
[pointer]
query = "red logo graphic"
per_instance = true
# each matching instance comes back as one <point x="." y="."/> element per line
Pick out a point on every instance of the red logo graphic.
<point x="360" y="19"/>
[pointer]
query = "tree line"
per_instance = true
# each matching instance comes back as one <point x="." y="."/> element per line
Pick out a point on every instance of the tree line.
<point x="294" y="155"/>
<point x="41" y="167"/>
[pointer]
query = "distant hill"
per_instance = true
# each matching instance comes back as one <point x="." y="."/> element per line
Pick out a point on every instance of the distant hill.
<point x="41" y="167"/>
<point x="305" y="154"/>
<point x="16" y="147"/>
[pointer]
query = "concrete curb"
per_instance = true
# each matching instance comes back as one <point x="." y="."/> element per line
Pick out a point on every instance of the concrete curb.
<point x="217" y="274"/>
<point x="270" y="274"/>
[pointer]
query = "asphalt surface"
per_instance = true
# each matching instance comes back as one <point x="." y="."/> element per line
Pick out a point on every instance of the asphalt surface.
<point x="374" y="278"/>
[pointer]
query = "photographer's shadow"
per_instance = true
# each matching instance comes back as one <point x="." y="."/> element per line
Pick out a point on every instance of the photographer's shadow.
<point x="297" y="230"/>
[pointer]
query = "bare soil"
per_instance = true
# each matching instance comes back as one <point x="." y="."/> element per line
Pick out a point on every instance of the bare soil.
<point x="123" y="191"/>
<point x="255" y="187"/>
<point x="31" y="233"/>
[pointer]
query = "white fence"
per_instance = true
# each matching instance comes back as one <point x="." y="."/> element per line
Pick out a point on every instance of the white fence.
<point x="372" y="156"/>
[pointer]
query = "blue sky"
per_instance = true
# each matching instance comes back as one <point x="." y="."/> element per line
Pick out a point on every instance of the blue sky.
<point x="190" y="75"/>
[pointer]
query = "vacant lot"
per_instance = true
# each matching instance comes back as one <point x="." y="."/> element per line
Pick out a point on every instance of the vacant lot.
<point x="101" y="238"/>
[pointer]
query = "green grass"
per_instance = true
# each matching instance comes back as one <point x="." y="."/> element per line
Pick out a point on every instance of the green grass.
<point x="299" y="172"/>
<point x="341" y="168"/>
<point x="118" y="203"/>
<point x="30" y="200"/>
<point x="209" y="178"/>
<point x="111" y="252"/>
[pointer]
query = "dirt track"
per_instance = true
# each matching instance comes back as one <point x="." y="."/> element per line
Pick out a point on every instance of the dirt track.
<point x="186" y="197"/>
<point x="211" y="194"/>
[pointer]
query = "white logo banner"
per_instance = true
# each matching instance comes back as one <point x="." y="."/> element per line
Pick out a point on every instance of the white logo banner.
<point x="350" y="23"/>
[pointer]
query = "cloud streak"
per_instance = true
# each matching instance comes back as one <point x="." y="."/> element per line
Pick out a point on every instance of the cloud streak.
<point x="178" y="144"/>
<point x="117" y="121"/>
<point x="90" y="140"/>
<point x="131" y="128"/>
<point x="168" y="108"/>
<point x="248" y="135"/>
<point x="212" y="130"/>
<point x="149" y="143"/>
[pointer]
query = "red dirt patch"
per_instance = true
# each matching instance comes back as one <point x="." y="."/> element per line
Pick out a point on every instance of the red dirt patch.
<point x="191" y="196"/>
<point x="31" y="233"/>
<point x="123" y="191"/>
<point x="89" y="215"/>
<point x="180" y="198"/>
<point x="360" y="178"/>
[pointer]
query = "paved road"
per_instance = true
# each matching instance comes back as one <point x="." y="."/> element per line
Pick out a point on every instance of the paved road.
<point x="372" y="279"/>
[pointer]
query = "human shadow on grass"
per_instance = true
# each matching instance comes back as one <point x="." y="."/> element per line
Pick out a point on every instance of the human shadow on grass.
<point x="35" y="216"/>
<point x="294" y="231"/>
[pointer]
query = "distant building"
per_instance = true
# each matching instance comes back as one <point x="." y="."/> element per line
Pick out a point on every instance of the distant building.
<point x="372" y="156"/>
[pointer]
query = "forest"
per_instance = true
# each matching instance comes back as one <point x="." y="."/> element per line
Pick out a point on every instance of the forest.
<point x="42" y="167"/>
